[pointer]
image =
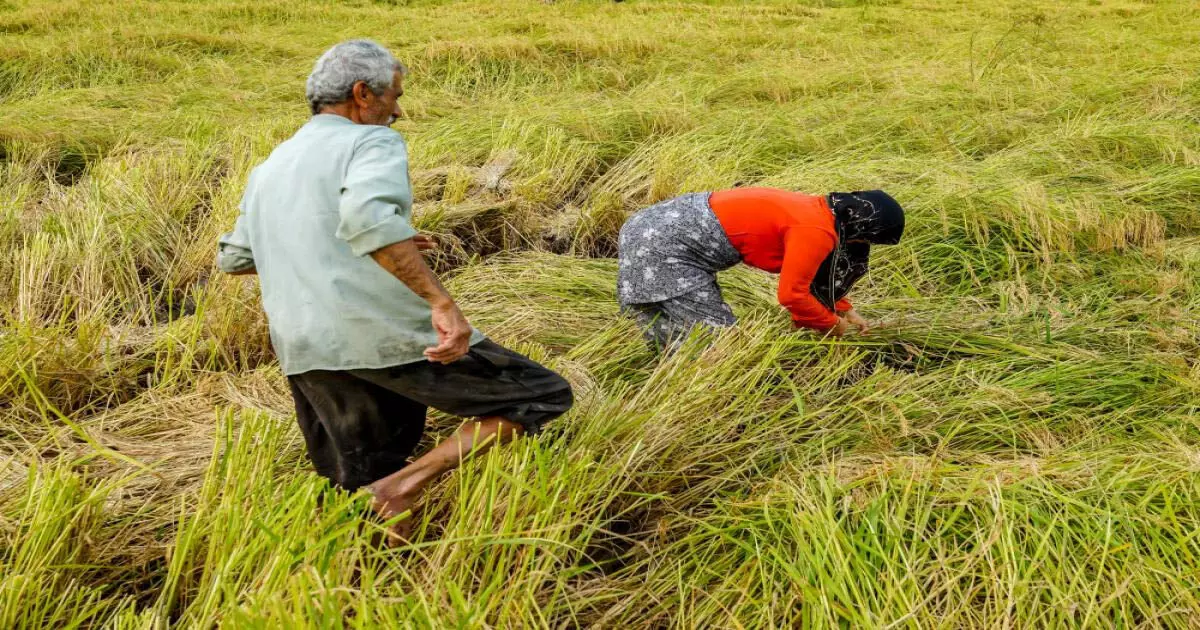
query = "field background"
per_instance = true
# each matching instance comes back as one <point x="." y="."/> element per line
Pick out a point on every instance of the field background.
<point x="1019" y="448"/>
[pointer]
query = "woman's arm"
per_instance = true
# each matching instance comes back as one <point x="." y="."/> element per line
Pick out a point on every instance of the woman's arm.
<point x="804" y="250"/>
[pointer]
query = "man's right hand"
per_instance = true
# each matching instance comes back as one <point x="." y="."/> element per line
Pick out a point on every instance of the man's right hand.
<point x="454" y="334"/>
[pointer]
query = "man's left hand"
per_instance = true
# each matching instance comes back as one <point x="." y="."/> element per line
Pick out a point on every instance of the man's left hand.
<point x="425" y="243"/>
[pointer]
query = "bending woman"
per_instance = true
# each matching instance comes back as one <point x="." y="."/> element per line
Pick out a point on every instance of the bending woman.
<point x="820" y="246"/>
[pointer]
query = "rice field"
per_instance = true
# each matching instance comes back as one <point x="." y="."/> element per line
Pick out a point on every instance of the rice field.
<point x="1017" y="446"/>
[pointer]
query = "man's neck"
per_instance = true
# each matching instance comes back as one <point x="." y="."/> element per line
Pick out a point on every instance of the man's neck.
<point x="345" y="110"/>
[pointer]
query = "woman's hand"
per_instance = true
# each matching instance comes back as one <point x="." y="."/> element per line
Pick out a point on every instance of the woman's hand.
<point x="849" y="319"/>
<point x="852" y="318"/>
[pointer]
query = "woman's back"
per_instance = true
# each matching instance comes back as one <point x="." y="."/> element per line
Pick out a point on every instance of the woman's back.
<point x="758" y="220"/>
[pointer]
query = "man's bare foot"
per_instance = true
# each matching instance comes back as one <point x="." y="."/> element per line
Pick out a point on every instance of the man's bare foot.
<point x="398" y="533"/>
<point x="379" y="537"/>
<point x="396" y="495"/>
<point x="391" y="503"/>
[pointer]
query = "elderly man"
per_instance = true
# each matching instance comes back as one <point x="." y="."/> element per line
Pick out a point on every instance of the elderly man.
<point x="365" y="333"/>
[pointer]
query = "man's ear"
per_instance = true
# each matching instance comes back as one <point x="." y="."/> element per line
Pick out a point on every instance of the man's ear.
<point x="361" y="93"/>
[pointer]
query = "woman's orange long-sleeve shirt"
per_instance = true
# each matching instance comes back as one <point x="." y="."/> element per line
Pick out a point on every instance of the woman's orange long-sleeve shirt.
<point x="785" y="233"/>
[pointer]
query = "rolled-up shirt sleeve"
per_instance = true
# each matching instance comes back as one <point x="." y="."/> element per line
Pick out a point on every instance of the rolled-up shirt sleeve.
<point x="376" y="197"/>
<point x="233" y="249"/>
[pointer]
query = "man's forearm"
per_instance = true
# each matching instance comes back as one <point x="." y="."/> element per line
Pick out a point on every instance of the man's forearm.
<point x="404" y="261"/>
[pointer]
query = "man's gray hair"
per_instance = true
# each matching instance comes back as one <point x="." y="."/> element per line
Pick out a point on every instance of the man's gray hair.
<point x="333" y="77"/>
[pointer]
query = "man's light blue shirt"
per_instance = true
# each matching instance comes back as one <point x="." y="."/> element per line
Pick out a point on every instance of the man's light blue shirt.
<point x="312" y="212"/>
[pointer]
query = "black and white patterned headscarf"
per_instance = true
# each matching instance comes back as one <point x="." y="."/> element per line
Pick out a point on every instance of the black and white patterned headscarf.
<point x="868" y="215"/>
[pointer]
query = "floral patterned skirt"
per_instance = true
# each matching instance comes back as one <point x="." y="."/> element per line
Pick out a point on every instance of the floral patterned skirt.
<point x="669" y="255"/>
